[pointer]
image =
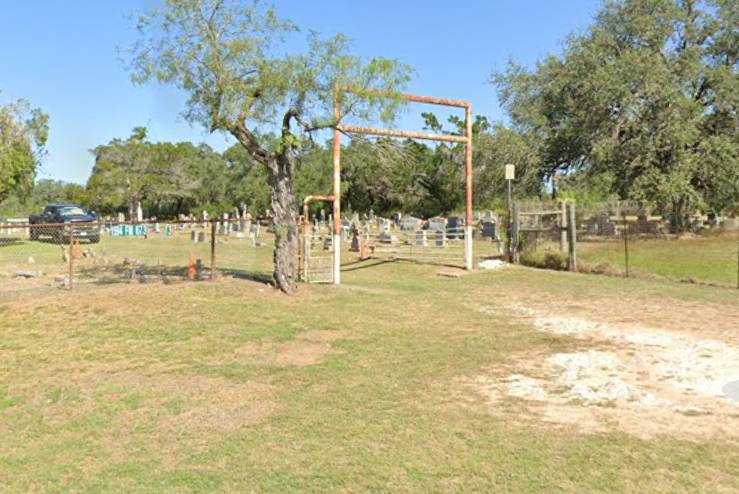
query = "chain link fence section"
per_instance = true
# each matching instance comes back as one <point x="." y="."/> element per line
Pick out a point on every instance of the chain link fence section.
<point x="37" y="257"/>
<point x="634" y="239"/>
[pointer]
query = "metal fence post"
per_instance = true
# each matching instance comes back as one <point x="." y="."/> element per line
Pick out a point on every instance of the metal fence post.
<point x="71" y="256"/>
<point x="213" y="251"/>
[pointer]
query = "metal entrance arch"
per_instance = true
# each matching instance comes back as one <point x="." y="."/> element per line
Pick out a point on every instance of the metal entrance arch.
<point x="466" y="139"/>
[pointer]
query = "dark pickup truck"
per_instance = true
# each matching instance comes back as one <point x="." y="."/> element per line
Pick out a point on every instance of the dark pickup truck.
<point x="60" y="221"/>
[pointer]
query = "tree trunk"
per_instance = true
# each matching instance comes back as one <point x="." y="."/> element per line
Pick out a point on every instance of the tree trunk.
<point x="283" y="205"/>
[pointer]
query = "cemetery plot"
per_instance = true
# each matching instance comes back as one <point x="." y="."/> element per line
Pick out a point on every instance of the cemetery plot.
<point x="437" y="241"/>
<point x="50" y="258"/>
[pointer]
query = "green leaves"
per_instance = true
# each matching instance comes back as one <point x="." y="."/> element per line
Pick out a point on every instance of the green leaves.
<point x="233" y="61"/>
<point x="647" y="97"/>
<point x="23" y="134"/>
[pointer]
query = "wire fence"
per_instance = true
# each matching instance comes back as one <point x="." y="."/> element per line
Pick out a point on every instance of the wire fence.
<point x="42" y="257"/>
<point x="36" y="257"/>
<point x="436" y="241"/>
<point x="631" y="239"/>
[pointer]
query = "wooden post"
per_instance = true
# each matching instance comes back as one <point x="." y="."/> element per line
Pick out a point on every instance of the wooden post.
<point x="626" y="244"/>
<point x="562" y="227"/>
<point x="213" y="251"/>
<point x="514" y="233"/>
<point x="572" y="238"/>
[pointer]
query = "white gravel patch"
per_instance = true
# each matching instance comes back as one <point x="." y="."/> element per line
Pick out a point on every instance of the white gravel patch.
<point x="643" y="359"/>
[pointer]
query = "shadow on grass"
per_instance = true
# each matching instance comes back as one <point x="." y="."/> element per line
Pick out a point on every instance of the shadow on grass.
<point x="259" y="277"/>
<point x="9" y="241"/>
<point x="375" y="262"/>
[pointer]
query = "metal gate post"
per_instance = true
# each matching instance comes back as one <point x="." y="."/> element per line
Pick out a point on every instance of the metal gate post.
<point x="336" y="240"/>
<point x="468" y="261"/>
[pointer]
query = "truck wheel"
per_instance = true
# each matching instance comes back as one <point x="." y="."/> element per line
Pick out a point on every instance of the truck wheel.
<point x="32" y="233"/>
<point x="95" y="239"/>
<point x="57" y="236"/>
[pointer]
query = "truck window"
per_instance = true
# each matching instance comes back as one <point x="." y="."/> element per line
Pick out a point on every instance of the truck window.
<point x="71" y="211"/>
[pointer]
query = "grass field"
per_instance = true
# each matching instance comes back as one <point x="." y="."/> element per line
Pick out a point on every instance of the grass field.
<point x="707" y="258"/>
<point x="230" y="386"/>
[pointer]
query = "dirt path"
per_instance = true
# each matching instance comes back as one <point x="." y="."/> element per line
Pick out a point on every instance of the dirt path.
<point x="639" y="377"/>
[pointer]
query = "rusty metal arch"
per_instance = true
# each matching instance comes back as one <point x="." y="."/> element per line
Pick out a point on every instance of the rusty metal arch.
<point x="466" y="139"/>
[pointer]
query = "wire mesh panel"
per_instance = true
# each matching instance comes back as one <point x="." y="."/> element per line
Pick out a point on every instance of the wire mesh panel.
<point x="317" y="261"/>
<point x="632" y="238"/>
<point x="433" y="246"/>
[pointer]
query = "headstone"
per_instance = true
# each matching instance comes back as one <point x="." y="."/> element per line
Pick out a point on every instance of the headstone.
<point x="488" y="229"/>
<point x="121" y="217"/>
<point x="386" y="238"/>
<point x="139" y="213"/>
<point x="346" y="227"/>
<point x="712" y="219"/>
<point x="410" y="224"/>
<point x="440" y="239"/>
<point x="168" y="230"/>
<point x="421" y="238"/>
<point x="193" y="236"/>
<point x="356" y="239"/>
<point x="454" y="227"/>
<point x="201" y="236"/>
<point x="224" y="224"/>
<point x="437" y="224"/>
<point x="605" y="225"/>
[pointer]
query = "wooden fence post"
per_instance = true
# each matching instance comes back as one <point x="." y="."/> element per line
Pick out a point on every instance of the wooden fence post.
<point x="572" y="237"/>
<point x="212" y="250"/>
<point x="514" y="230"/>
<point x="626" y="244"/>
<point x="562" y="227"/>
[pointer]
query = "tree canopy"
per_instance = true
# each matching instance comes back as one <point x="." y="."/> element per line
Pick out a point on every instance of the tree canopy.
<point x="232" y="59"/>
<point x="23" y="134"/>
<point x="645" y="103"/>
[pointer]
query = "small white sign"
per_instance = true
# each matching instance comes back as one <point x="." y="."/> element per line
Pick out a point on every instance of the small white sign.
<point x="510" y="172"/>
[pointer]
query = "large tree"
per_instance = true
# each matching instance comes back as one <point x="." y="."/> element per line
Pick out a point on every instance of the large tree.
<point x="645" y="99"/>
<point x="234" y="61"/>
<point x="23" y="134"/>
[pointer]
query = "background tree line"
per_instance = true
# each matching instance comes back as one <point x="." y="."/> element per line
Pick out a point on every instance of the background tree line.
<point x="642" y="105"/>
<point x="383" y="175"/>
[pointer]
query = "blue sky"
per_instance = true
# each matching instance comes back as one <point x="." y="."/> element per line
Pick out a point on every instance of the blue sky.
<point x="61" y="56"/>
